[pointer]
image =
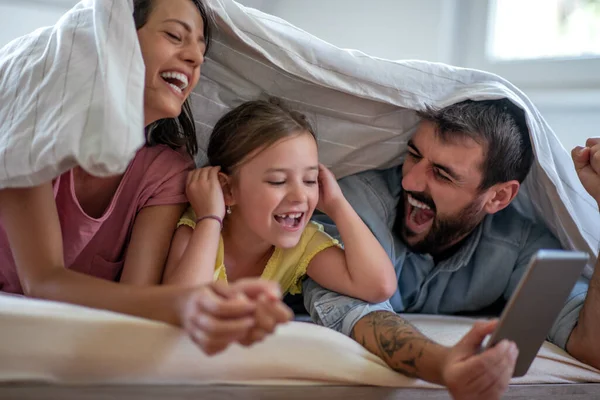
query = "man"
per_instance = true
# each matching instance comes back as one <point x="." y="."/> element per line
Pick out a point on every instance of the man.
<point x="459" y="246"/>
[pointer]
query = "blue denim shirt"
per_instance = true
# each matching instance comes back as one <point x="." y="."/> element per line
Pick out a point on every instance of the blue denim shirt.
<point x="483" y="273"/>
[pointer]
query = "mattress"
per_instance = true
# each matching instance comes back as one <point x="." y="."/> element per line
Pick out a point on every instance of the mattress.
<point x="52" y="342"/>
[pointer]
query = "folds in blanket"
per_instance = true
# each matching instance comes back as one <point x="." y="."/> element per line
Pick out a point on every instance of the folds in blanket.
<point x="72" y="94"/>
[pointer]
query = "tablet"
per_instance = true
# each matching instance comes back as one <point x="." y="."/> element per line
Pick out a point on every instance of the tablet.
<point x="537" y="301"/>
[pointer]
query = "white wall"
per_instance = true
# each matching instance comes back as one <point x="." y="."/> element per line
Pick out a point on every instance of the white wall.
<point x="573" y="127"/>
<point x="18" y="18"/>
<point x="574" y="115"/>
<point x="392" y="29"/>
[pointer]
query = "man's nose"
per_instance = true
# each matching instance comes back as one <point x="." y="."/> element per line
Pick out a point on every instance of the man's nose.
<point x="415" y="178"/>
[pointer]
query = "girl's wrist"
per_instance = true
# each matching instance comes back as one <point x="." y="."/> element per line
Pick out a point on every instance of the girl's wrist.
<point x="210" y="217"/>
<point x="338" y="209"/>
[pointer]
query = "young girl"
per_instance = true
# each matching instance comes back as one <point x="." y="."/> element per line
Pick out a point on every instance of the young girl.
<point x="250" y="214"/>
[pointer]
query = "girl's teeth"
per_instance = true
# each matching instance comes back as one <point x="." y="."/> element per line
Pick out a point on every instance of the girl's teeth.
<point x="294" y="215"/>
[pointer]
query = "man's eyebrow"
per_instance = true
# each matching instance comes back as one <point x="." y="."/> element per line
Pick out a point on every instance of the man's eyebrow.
<point x="449" y="171"/>
<point x="186" y="26"/>
<point x="412" y="146"/>
<point x="453" y="174"/>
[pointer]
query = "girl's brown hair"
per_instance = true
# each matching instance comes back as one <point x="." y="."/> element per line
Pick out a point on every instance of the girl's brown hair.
<point x="251" y="127"/>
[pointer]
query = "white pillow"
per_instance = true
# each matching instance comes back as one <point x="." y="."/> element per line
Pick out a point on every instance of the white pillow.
<point x="61" y="343"/>
<point x="72" y="94"/>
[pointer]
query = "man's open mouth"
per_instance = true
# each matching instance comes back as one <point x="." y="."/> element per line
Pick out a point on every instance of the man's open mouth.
<point x="419" y="215"/>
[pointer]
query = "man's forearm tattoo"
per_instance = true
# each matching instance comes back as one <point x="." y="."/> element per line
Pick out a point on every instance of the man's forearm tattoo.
<point x="393" y="339"/>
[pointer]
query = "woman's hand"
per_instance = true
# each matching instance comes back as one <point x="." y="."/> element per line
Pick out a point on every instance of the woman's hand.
<point x="245" y="312"/>
<point x="204" y="192"/>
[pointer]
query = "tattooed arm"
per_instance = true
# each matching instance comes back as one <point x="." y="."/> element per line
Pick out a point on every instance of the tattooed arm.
<point x="466" y="373"/>
<point x="402" y="346"/>
<point x="463" y="369"/>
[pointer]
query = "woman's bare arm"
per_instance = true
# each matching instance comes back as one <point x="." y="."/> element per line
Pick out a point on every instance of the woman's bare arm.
<point x="30" y="219"/>
<point x="149" y="246"/>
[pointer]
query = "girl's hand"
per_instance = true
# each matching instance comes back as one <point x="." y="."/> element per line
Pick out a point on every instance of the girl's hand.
<point x="204" y="192"/>
<point x="217" y="314"/>
<point x="270" y="312"/>
<point x="330" y="194"/>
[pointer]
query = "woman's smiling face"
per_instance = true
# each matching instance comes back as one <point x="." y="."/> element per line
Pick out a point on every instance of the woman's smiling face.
<point x="173" y="45"/>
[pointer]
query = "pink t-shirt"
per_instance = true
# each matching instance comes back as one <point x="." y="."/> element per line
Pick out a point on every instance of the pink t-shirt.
<point x="97" y="247"/>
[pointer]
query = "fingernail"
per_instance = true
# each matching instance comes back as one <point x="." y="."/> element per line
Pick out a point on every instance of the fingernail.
<point x="579" y="149"/>
<point x="276" y="292"/>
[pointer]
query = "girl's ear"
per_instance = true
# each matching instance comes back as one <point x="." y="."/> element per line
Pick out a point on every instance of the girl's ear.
<point x="226" y="185"/>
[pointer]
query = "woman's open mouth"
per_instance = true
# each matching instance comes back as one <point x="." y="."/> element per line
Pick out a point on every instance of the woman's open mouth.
<point x="177" y="81"/>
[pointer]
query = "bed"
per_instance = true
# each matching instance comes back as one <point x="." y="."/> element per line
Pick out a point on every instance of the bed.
<point x="55" y="350"/>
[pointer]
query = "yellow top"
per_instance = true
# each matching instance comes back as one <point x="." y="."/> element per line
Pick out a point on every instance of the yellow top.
<point x="286" y="266"/>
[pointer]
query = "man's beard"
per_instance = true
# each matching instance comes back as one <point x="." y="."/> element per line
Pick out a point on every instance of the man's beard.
<point x="444" y="231"/>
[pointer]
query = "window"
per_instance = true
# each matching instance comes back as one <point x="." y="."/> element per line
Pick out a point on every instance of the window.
<point x="540" y="44"/>
<point x="537" y="29"/>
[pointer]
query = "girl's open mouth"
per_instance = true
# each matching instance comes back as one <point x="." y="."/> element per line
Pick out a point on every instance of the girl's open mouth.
<point x="290" y="221"/>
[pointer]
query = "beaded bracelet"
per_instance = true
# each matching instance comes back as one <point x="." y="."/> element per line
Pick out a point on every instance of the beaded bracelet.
<point x="218" y="219"/>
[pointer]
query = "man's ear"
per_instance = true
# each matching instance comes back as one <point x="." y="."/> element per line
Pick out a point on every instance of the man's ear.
<point x="501" y="195"/>
<point x="226" y="185"/>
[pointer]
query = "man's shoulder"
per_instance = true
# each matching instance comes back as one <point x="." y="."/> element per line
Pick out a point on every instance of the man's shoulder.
<point x="511" y="227"/>
<point x="375" y="190"/>
<point x="389" y="179"/>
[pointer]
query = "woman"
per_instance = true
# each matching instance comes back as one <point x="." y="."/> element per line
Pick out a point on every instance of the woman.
<point x="58" y="240"/>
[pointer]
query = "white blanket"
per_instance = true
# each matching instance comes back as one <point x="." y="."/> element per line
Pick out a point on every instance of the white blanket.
<point x="60" y="343"/>
<point x="72" y="94"/>
<point x="362" y="108"/>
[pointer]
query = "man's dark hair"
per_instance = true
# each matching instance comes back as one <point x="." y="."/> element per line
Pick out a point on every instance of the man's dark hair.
<point x="498" y="125"/>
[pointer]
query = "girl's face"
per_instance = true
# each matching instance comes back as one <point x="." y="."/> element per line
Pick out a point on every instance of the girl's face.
<point x="172" y="45"/>
<point x="274" y="194"/>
